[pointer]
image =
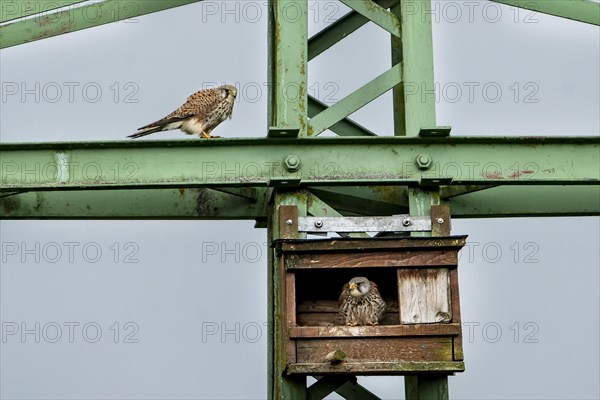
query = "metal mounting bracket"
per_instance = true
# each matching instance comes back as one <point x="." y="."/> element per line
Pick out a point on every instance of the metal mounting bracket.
<point x="395" y="223"/>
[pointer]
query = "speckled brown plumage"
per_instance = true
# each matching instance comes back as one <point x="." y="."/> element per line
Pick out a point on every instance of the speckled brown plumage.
<point x="200" y="114"/>
<point x="360" y="303"/>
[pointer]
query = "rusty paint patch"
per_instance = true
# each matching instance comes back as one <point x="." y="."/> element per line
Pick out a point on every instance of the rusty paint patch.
<point x="492" y="175"/>
<point x="181" y="191"/>
<point x="518" y="174"/>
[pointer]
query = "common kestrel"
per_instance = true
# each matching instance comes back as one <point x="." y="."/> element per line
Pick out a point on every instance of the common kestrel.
<point x="200" y="114"/>
<point x="360" y="302"/>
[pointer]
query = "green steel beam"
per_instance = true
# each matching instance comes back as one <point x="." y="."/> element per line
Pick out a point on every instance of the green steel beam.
<point x="287" y="111"/>
<point x="288" y="47"/>
<point x="171" y="204"/>
<point x="587" y="11"/>
<point x="447" y="192"/>
<point x="365" y="200"/>
<point x="532" y="201"/>
<point x="318" y="208"/>
<point x="143" y="204"/>
<point x="345" y="127"/>
<point x="324" y="386"/>
<point x="415" y="52"/>
<point x="354" y="101"/>
<point x="340" y="29"/>
<point x="417" y="62"/>
<point x="319" y="162"/>
<point x="77" y="18"/>
<point x="281" y="386"/>
<point x="398" y="110"/>
<point x="377" y="14"/>
<point x="426" y="387"/>
<point x="11" y="10"/>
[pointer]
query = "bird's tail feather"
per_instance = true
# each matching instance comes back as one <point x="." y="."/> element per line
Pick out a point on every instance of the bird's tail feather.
<point x="145" y="131"/>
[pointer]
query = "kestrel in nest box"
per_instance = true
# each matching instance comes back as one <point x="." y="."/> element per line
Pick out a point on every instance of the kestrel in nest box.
<point x="360" y="302"/>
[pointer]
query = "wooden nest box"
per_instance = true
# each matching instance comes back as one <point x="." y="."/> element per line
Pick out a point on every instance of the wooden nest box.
<point x="420" y="330"/>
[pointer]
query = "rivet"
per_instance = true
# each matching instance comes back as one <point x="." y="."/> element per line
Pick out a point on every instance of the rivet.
<point x="440" y="221"/>
<point x="406" y="222"/>
<point x="289" y="222"/>
<point x="319" y="224"/>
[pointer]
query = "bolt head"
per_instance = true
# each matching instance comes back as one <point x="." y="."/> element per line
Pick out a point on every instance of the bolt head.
<point x="423" y="161"/>
<point x="289" y="222"/>
<point x="292" y="163"/>
<point x="440" y="221"/>
<point x="406" y="222"/>
<point x="319" y="224"/>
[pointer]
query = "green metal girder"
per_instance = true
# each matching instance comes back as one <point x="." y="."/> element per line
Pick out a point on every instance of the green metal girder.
<point x="531" y="201"/>
<point x="587" y="11"/>
<point x="288" y="32"/>
<point x="318" y="208"/>
<point x="191" y="203"/>
<point x="323" y="162"/>
<point x="417" y="61"/>
<point x="377" y="14"/>
<point x="345" y="127"/>
<point x="365" y="200"/>
<point x="499" y="202"/>
<point x="426" y="387"/>
<point x="11" y="10"/>
<point x="340" y="29"/>
<point x="354" y="101"/>
<point x="287" y="111"/>
<point x="77" y="18"/>
<point x="281" y="386"/>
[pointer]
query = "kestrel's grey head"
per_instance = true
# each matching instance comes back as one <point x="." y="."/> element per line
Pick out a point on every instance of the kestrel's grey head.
<point x="200" y="114"/>
<point x="360" y="302"/>
<point x="359" y="286"/>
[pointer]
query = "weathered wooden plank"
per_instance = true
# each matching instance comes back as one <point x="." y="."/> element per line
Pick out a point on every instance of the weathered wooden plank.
<point x="374" y="331"/>
<point x="332" y="319"/>
<point x="331" y="306"/>
<point x="376" y="368"/>
<point x="290" y="289"/>
<point x="326" y="313"/>
<point x="455" y="300"/>
<point x="373" y="259"/>
<point x="317" y="245"/>
<point x="383" y="349"/>
<point x="424" y="295"/>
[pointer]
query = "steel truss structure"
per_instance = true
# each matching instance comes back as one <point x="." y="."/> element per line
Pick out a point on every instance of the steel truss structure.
<point x="355" y="174"/>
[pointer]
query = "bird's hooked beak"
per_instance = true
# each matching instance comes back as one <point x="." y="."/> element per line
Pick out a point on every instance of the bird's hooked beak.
<point x="234" y="93"/>
<point x="354" y="290"/>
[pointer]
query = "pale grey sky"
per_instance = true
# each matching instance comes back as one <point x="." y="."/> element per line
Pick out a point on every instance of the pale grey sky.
<point x="185" y="301"/>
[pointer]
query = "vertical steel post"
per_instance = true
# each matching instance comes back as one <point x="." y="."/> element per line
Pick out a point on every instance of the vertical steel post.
<point x="414" y="108"/>
<point x="288" y="104"/>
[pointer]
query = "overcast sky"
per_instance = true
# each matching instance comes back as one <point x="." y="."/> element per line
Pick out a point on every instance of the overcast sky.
<point x="180" y="306"/>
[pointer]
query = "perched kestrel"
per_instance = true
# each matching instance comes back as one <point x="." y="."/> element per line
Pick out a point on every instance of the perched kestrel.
<point x="361" y="303"/>
<point x="200" y="114"/>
